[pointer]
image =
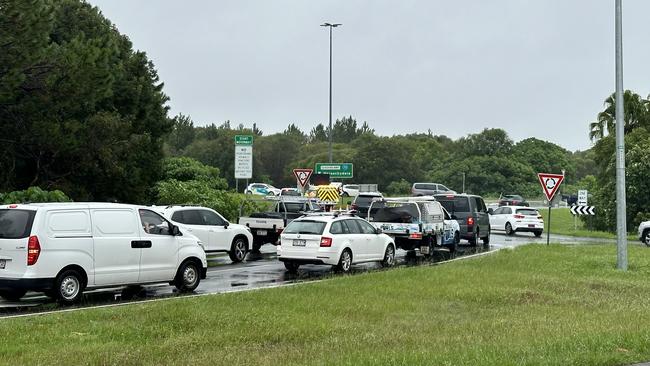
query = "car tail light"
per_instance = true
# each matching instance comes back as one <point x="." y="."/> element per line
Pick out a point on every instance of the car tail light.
<point x="470" y="221"/>
<point x="13" y="206"/>
<point x="417" y="236"/>
<point x="519" y="216"/>
<point x="325" y="242"/>
<point x="33" y="250"/>
<point x="540" y="217"/>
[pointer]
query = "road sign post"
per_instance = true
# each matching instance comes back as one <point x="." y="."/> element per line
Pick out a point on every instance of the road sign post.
<point x="243" y="158"/>
<point x="550" y="185"/>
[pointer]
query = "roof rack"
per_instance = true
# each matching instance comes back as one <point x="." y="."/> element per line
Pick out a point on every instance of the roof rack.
<point x="334" y="213"/>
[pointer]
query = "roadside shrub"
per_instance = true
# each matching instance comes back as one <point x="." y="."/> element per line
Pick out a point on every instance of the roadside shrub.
<point x="33" y="195"/>
<point x="398" y="188"/>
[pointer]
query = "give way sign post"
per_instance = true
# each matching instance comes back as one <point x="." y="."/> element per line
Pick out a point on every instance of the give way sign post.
<point x="302" y="177"/>
<point x="550" y="185"/>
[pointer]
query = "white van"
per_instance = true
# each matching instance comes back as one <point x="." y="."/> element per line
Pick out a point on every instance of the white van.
<point x="62" y="249"/>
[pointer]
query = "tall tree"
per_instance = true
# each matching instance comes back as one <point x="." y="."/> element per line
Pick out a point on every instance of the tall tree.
<point x="81" y="111"/>
<point x="636" y="115"/>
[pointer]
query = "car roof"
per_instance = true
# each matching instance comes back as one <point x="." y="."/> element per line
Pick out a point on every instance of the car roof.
<point x="373" y="194"/>
<point x="519" y="207"/>
<point x="69" y="205"/>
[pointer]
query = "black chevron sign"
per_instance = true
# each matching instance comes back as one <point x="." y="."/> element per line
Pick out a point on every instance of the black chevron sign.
<point x="583" y="210"/>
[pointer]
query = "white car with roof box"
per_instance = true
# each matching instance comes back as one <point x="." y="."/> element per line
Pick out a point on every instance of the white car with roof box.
<point x="215" y="232"/>
<point x="339" y="240"/>
<point x="62" y="249"/>
<point x="512" y="219"/>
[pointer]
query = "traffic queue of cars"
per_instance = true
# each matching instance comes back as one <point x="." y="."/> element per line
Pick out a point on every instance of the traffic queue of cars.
<point x="63" y="249"/>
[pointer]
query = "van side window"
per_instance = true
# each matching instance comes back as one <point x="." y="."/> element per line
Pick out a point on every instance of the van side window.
<point x="152" y="223"/>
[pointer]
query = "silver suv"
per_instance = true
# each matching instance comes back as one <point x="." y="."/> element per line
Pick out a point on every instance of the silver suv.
<point x="429" y="189"/>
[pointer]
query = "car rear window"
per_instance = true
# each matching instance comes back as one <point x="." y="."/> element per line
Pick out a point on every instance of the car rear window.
<point x="527" y="212"/>
<point x="305" y="227"/>
<point x="16" y="224"/>
<point x="454" y="204"/>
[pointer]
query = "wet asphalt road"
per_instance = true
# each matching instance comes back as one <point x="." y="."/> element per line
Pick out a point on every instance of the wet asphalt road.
<point x="257" y="272"/>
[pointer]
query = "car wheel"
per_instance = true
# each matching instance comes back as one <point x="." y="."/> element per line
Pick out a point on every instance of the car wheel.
<point x="238" y="250"/>
<point x="248" y="192"/>
<point x="270" y="194"/>
<point x="646" y="237"/>
<point x="345" y="262"/>
<point x="538" y="233"/>
<point x="13" y="294"/>
<point x="509" y="230"/>
<point x="345" y="194"/>
<point x="486" y="240"/>
<point x="457" y="238"/>
<point x="69" y="286"/>
<point x="292" y="267"/>
<point x="389" y="256"/>
<point x="188" y="276"/>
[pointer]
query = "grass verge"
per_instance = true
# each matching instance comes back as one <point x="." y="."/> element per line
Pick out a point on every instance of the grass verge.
<point x="537" y="305"/>
<point x="562" y="223"/>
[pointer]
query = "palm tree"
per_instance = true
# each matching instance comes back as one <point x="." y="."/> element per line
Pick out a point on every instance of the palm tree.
<point x="636" y="110"/>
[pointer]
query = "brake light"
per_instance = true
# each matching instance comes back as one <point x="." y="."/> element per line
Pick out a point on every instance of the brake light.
<point x="33" y="250"/>
<point x="470" y="221"/>
<point x="325" y="242"/>
<point x="519" y="216"/>
<point x="13" y="206"/>
<point x="417" y="236"/>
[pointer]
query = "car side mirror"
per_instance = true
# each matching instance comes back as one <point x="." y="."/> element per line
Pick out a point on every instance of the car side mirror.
<point x="378" y="231"/>
<point x="453" y="217"/>
<point x="490" y="211"/>
<point x="174" y="230"/>
<point x="225" y="226"/>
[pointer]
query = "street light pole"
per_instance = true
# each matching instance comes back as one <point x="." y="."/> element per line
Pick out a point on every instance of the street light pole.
<point x="330" y="25"/>
<point x="621" y="220"/>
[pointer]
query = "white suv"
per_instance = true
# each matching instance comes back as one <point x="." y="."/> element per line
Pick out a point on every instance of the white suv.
<point x="214" y="231"/>
<point x="332" y="239"/>
<point x="62" y="249"/>
<point x="644" y="232"/>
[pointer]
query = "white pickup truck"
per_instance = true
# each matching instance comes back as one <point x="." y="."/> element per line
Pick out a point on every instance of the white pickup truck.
<point x="415" y="223"/>
<point x="267" y="226"/>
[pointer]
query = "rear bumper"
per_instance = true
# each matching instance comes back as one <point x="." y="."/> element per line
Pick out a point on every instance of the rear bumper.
<point x="29" y="284"/>
<point x="302" y="261"/>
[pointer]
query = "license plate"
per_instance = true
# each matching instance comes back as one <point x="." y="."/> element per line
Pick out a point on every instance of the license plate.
<point x="3" y="263"/>
<point x="261" y="232"/>
<point x="299" y="242"/>
<point x="424" y="250"/>
<point x="529" y="225"/>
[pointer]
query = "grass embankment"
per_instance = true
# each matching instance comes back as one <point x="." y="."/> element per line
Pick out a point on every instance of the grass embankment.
<point x="558" y="305"/>
<point x="562" y="223"/>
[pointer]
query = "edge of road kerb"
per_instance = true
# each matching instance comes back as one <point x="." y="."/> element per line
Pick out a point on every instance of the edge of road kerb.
<point x="172" y="298"/>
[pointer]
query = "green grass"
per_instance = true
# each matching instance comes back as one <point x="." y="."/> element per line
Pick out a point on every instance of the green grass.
<point x="562" y="223"/>
<point x="535" y="305"/>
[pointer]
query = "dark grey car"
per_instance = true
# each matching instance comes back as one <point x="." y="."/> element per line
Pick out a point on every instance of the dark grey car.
<point x="429" y="189"/>
<point x="471" y="213"/>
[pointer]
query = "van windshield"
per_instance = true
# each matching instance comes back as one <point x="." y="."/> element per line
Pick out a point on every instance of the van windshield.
<point x="16" y="224"/>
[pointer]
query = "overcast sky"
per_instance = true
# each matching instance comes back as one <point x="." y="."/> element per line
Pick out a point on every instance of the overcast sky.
<point x="534" y="68"/>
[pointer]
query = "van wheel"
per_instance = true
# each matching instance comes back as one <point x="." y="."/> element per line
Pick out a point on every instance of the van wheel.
<point x="474" y="239"/>
<point x="12" y="295"/>
<point x="345" y="262"/>
<point x="187" y="277"/>
<point x="238" y="249"/>
<point x="292" y="267"/>
<point x="68" y="287"/>
<point x="486" y="240"/>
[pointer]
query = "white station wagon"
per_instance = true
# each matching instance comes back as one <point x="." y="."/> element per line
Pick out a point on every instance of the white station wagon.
<point x="62" y="249"/>
<point x="334" y="239"/>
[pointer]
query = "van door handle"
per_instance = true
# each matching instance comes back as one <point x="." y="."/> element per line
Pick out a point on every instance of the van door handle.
<point x="141" y="244"/>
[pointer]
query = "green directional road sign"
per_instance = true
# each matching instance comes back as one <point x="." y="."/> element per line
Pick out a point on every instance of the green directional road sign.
<point x="243" y="139"/>
<point x="335" y="170"/>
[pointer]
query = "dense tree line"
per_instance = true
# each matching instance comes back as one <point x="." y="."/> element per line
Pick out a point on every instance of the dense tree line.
<point x="492" y="162"/>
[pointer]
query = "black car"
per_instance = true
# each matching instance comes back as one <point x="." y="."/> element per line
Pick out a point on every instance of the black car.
<point x="471" y="213"/>
<point x="362" y="202"/>
<point x="512" y="200"/>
